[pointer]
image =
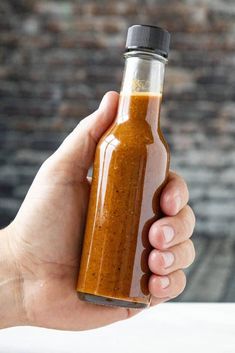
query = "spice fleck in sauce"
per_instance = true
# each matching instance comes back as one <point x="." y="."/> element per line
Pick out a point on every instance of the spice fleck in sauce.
<point x="130" y="168"/>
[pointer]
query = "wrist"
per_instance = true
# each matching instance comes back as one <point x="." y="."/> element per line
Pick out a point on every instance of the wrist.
<point x="11" y="299"/>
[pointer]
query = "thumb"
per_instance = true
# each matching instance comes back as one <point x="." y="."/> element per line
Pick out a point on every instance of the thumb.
<point x="78" y="149"/>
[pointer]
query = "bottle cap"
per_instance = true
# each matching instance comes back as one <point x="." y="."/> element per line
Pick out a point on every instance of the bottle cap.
<point x="150" y="38"/>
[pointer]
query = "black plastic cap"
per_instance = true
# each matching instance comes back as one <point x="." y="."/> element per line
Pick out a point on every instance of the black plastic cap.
<point x="145" y="37"/>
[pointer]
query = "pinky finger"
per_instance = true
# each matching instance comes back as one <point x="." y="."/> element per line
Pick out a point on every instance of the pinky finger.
<point x="170" y="286"/>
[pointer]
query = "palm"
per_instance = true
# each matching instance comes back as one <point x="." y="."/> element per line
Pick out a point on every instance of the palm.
<point x="50" y="227"/>
<point x="48" y="231"/>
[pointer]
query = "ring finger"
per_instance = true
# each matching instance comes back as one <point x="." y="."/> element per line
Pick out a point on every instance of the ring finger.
<point x="177" y="257"/>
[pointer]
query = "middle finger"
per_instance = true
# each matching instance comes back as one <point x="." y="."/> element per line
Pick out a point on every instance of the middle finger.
<point x="170" y="231"/>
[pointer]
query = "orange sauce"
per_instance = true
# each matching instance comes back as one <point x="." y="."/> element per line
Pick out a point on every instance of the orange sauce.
<point x="130" y="169"/>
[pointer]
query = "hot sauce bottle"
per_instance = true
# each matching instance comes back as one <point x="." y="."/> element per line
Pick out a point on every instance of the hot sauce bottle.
<point x="130" y="169"/>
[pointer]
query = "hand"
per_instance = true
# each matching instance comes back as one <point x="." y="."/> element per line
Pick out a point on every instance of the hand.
<point x="45" y="238"/>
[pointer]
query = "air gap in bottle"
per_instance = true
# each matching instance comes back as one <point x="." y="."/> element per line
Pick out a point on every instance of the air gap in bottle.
<point x="130" y="169"/>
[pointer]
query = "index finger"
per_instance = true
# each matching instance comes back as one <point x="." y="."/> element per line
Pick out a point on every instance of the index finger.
<point x="175" y="195"/>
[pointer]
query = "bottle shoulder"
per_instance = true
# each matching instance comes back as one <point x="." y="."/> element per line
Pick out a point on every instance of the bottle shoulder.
<point x="132" y="134"/>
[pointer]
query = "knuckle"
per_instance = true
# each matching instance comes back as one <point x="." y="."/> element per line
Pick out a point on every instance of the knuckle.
<point x="188" y="221"/>
<point x="185" y="187"/>
<point x="182" y="185"/>
<point x="180" y="282"/>
<point x="191" y="215"/>
<point x="192" y="251"/>
<point x="186" y="226"/>
<point x="187" y="253"/>
<point x="184" y="254"/>
<point x="188" y="245"/>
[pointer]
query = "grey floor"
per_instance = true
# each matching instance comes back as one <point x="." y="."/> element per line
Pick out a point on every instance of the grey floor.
<point x="212" y="276"/>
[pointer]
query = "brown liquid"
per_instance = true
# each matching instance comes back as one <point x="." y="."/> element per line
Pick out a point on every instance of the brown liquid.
<point x="130" y="168"/>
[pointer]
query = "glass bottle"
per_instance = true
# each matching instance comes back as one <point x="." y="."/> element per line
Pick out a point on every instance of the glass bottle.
<point x="130" y="168"/>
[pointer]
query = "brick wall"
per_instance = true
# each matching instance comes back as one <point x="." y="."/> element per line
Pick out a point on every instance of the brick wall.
<point x="53" y="59"/>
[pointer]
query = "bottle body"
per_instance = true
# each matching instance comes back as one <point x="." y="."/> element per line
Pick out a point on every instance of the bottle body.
<point x="130" y="169"/>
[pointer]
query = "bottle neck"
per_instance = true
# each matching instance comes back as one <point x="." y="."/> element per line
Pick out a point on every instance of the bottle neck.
<point x="142" y="86"/>
<point x="143" y="72"/>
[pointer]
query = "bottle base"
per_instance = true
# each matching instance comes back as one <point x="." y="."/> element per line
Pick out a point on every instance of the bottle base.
<point x="96" y="299"/>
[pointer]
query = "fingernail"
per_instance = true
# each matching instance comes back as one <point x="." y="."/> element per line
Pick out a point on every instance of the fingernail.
<point x="164" y="281"/>
<point x="168" y="258"/>
<point x="177" y="203"/>
<point x="168" y="233"/>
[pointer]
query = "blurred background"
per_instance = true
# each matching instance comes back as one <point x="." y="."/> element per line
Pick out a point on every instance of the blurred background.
<point x="57" y="59"/>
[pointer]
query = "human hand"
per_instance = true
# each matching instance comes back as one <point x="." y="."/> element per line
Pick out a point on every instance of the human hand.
<point x="44" y="241"/>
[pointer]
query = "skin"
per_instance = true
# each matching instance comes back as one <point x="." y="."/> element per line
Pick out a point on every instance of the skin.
<point x="40" y="250"/>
